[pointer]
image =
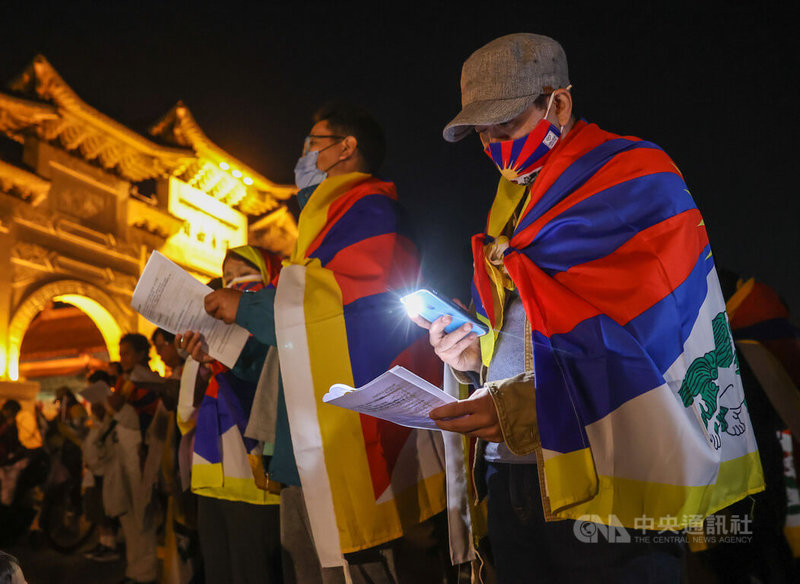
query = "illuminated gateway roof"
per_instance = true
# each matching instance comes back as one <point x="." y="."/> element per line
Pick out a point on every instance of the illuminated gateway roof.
<point x="41" y="103"/>
<point x="85" y="200"/>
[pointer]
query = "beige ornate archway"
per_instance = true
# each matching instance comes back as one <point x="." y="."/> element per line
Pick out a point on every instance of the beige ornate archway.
<point x="96" y="304"/>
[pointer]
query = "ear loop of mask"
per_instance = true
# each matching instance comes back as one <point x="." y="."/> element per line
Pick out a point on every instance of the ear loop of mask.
<point x="331" y="146"/>
<point x="550" y="103"/>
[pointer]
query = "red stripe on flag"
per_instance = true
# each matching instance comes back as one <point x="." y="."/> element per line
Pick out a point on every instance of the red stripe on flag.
<point x="212" y="389"/>
<point x="404" y="272"/>
<point x="420" y="358"/>
<point x="374" y="265"/>
<point x="531" y="143"/>
<point x="622" y="285"/>
<point x="384" y="440"/>
<point x="505" y="149"/>
<point x="761" y="304"/>
<point x="541" y="294"/>
<point x="624" y="166"/>
<point x="481" y="277"/>
<point x="569" y="151"/>
<point x="339" y="207"/>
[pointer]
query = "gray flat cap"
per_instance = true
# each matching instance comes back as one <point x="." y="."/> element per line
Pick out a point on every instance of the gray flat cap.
<point x="501" y="79"/>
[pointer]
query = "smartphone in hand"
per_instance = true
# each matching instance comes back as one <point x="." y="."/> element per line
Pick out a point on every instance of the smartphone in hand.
<point x="430" y="306"/>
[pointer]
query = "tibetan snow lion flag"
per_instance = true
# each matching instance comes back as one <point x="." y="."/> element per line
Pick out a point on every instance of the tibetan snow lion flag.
<point x="641" y="415"/>
<point x="339" y="320"/>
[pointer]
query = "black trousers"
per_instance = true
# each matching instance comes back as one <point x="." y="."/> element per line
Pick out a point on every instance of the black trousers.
<point x="241" y="542"/>
<point x="528" y="550"/>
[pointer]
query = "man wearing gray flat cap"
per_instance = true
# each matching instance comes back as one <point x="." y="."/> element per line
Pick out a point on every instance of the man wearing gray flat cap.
<point x="607" y="402"/>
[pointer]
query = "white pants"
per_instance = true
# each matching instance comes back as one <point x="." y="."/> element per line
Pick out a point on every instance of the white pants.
<point x="140" y="546"/>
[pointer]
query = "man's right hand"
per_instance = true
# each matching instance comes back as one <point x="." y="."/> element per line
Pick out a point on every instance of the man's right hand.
<point x="460" y="349"/>
<point x="223" y="304"/>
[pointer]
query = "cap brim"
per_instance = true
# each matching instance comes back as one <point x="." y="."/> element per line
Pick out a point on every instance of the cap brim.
<point x="485" y="113"/>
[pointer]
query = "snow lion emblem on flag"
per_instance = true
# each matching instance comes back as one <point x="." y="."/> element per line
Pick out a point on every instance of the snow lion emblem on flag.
<point x="707" y="382"/>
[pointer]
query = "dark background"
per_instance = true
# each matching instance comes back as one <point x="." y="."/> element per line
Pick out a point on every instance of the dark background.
<point x="711" y="84"/>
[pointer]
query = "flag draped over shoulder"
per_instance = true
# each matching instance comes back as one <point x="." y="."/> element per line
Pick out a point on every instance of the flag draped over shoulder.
<point x="770" y="343"/>
<point x="224" y="460"/>
<point x="221" y="465"/>
<point x="339" y="320"/>
<point x="641" y="414"/>
<point x="758" y="313"/>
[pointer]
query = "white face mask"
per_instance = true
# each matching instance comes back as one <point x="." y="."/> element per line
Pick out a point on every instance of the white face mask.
<point x="244" y="280"/>
<point x="306" y="173"/>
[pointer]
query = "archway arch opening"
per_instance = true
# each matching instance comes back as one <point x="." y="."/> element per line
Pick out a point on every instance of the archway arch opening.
<point x="61" y="345"/>
<point x="92" y="308"/>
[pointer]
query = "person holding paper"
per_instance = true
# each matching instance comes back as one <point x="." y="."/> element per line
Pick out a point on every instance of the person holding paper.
<point x="335" y="317"/>
<point x="599" y="389"/>
<point x="237" y="515"/>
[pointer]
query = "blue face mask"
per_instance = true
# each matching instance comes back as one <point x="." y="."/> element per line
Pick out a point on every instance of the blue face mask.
<point x="306" y="173"/>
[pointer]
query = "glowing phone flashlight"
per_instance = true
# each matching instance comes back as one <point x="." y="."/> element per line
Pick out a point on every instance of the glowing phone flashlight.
<point x="430" y="306"/>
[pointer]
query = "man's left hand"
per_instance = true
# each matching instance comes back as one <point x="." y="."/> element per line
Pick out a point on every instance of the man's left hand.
<point x="475" y="416"/>
<point x="223" y="304"/>
<point x="195" y="345"/>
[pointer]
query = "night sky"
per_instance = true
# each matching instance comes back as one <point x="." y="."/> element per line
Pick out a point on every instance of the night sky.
<point x="712" y="86"/>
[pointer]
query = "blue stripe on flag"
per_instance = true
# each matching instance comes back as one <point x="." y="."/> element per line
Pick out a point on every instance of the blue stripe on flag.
<point x="603" y="366"/>
<point x="236" y="401"/>
<point x="560" y="428"/>
<point x="599" y="225"/>
<point x="378" y="330"/>
<point x="206" y="440"/>
<point x="496" y="154"/>
<point x="679" y="310"/>
<point x="370" y="216"/>
<point x="516" y="148"/>
<point x="217" y="415"/>
<point x="476" y="300"/>
<point x="540" y="151"/>
<point x="608" y="364"/>
<point x="578" y="173"/>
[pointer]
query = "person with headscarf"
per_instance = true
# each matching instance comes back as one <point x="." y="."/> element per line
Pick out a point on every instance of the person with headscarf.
<point x="238" y="517"/>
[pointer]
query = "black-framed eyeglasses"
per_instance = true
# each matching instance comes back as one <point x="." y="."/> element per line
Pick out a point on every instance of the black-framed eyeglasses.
<point x="307" y="143"/>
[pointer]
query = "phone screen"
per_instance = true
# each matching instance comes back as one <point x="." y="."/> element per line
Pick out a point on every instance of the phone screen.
<point x="430" y="306"/>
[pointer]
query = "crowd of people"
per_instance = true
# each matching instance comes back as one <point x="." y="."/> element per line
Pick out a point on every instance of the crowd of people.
<point x="606" y="393"/>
